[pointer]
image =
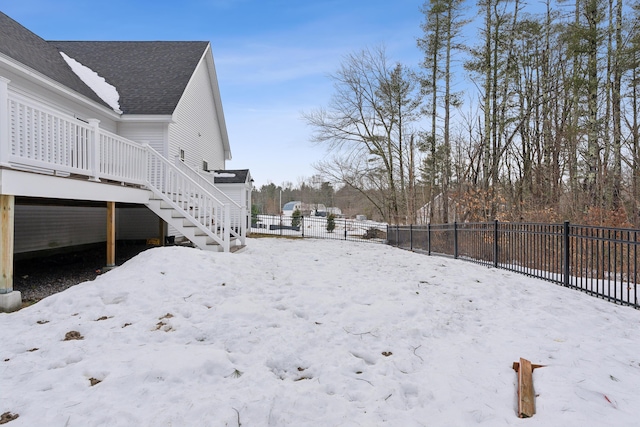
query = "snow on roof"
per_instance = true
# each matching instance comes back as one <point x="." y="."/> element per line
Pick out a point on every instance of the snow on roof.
<point x="107" y="92"/>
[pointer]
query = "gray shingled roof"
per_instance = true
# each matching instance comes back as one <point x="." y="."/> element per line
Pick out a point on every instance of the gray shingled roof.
<point x="149" y="76"/>
<point x="23" y="46"/>
<point x="240" y="176"/>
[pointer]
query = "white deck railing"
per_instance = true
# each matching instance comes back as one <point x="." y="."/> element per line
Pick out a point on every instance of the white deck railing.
<point x="238" y="219"/>
<point x="36" y="138"/>
<point x="41" y="138"/>
<point x="189" y="198"/>
<point x="121" y="160"/>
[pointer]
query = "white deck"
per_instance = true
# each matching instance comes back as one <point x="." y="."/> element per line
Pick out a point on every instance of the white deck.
<point x="47" y="154"/>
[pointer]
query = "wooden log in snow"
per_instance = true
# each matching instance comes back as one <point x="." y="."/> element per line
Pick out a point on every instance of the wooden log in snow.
<point x="526" y="394"/>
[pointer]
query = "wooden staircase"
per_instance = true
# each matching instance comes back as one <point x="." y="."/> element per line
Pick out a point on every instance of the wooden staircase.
<point x="187" y="226"/>
<point x="184" y="202"/>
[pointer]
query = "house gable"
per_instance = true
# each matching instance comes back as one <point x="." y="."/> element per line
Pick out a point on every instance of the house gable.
<point x="150" y="77"/>
<point x="198" y="126"/>
<point x="168" y="91"/>
<point x="213" y="76"/>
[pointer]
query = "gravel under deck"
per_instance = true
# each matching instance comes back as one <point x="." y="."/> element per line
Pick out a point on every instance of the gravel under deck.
<point x="38" y="278"/>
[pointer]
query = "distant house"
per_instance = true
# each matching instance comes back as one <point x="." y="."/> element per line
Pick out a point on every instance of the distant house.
<point x="435" y="210"/>
<point x="306" y="209"/>
<point x="106" y="141"/>
<point x="334" y="210"/>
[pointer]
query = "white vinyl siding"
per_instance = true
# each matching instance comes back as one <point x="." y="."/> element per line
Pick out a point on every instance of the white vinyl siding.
<point x="235" y="192"/>
<point x="239" y="193"/>
<point x="51" y="227"/>
<point x="155" y="134"/>
<point x="196" y="129"/>
<point x="40" y="228"/>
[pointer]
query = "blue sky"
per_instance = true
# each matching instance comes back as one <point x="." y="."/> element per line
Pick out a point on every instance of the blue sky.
<point x="272" y="57"/>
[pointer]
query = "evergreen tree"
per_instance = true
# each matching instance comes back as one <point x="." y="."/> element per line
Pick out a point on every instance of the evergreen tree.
<point x="442" y="26"/>
<point x="295" y="218"/>
<point x="331" y="223"/>
<point x="254" y="215"/>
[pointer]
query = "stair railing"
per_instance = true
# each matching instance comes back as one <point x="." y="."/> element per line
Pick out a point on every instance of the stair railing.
<point x="238" y="217"/>
<point x="189" y="198"/>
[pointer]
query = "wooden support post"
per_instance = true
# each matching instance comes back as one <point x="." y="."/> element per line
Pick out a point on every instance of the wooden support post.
<point x="7" y="204"/>
<point x="10" y="300"/>
<point x="526" y="394"/>
<point x="111" y="234"/>
<point x="162" y="234"/>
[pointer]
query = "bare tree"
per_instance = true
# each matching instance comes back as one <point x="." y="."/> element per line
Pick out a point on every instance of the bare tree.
<point x="367" y="126"/>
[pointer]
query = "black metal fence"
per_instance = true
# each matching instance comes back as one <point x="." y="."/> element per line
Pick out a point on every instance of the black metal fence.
<point x="344" y="228"/>
<point x="597" y="260"/>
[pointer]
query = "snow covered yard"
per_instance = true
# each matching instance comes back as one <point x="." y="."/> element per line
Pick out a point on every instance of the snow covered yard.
<point x="316" y="333"/>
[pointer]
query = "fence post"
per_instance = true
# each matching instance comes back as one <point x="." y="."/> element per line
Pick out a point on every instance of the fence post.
<point x="455" y="239"/>
<point x="411" y="237"/>
<point x="495" y="243"/>
<point x="429" y="239"/>
<point x="397" y="235"/>
<point x="566" y="255"/>
<point x="345" y="228"/>
<point x="4" y="121"/>
<point x="302" y="224"/>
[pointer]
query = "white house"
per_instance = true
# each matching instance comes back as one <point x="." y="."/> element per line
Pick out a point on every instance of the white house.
<point x="290" y="207"/>
<point x="102" y="141"/>
<point x="436" y="210"/>
<point x="307" y="209"/>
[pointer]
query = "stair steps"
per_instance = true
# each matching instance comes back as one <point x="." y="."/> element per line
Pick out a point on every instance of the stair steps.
<point x="187" y="226"/>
